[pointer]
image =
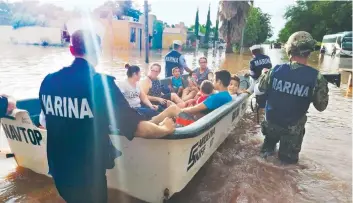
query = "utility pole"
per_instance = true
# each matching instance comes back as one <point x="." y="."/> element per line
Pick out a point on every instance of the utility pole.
<point x="146" y="33"/>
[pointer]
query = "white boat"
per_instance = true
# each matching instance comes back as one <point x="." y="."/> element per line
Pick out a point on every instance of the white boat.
<point x="148" y="169"/>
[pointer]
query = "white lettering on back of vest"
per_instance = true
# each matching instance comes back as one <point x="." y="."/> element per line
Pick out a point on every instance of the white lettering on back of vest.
<point x="290" y="88"/>
<point x="262" y="62"/>
<point x="172" y="59"/>
<point x="67" y="107"/>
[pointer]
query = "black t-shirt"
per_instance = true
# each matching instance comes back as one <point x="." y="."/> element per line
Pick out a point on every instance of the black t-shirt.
<point x="80" y="107"/>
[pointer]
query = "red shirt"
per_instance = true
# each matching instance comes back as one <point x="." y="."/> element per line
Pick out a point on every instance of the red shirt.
<point x="201" y="98"/>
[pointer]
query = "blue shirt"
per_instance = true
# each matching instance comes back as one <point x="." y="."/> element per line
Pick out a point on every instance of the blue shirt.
<point x="217" y="100"/>
<point x="177" y="82"/>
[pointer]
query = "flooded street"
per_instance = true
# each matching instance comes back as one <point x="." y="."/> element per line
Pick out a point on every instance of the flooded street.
<point x="234" y="173"/>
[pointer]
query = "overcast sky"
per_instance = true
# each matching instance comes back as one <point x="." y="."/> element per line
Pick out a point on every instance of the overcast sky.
<point x="175" y="11"/>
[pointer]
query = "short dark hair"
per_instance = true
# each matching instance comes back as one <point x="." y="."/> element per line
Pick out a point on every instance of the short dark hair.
<point x="176" y="46"/>
<point x="223" y="76"/>
<point x="256" y="51"/>
<point x="236" y="78"/>
<point x="83" y="42"/>
<point x="207" y="87"/>
<point x="174" y="69"/>
<point x="131" y="70"/>
<point x="202" y="57"/>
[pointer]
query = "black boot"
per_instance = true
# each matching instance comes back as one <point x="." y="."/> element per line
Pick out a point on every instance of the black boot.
<point x="268" y="147"/>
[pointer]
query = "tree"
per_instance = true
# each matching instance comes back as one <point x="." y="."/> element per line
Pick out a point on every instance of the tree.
<point x="208" y="26"/>
<point x="258" y="27"/>
<point x="318" y="18"/>
<point x="215" y="38"/>
<point x="5" y="13"/>
<point x="125" y="8"/>
<point x="232" y="16"/>
<point x="197" y="23"/>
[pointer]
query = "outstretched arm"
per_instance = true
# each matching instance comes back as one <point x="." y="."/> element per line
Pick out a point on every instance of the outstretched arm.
<point x="320" y="97"/>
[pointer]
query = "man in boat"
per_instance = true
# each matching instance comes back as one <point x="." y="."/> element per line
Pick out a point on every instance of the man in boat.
<point x="290" y="89"/>
<point x="175" y="59"/>
<point x="79" y="108"/>
<point x="220" y="83"/>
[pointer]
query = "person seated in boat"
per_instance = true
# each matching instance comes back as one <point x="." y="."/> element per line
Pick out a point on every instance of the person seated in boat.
<point x="131" y="90"/>
<point x="153" y="88"/>
<point x="206" y="89"/>
<point x="176" y="83"/>
<point x="212" y="102"/>
<point x="192" y="89"/>
<point x="7" y="105"/>
<point x="203" y="71"/>
<point x="79" y="108"/>
<point x="234" y="85"/>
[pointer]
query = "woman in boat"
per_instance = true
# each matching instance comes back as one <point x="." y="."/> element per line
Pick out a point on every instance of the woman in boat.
<point x="202" y="71"/>
<point x="153" y="88"/>
<point x="131" y="90"/>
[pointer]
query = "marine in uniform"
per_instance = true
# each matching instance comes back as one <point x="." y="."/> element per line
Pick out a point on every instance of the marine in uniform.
<point x="259" y="63"/>
<point x="175" y="59"/>
<point x="290" y="88"/>
<point x="80" y="108"/>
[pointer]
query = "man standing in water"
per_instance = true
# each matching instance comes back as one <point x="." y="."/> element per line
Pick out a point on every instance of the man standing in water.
<point x="259" y="62"/>
<point x="290" y="89"/>
<point x="175" y="59"/>
<point x="79" y="109"/>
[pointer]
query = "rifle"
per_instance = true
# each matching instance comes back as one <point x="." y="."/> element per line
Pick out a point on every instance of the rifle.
<point x="334" y="78"/>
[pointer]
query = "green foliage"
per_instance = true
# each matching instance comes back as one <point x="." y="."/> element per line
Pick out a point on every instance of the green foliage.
<point x="197" y="24"/>
<point x="126" y="8"/>
<point x="215" y="31"/>
<point x="5" y="13"/>
<point x="318" y="18"/>
<point x="203" y="29"/>
<point x="25" y="20"/>
<point x="157" y="35"/>
<point x="258" y="27"/>
<point x="208" y="27"/>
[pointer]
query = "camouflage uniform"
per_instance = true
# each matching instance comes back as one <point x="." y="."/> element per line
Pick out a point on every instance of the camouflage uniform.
<point x="291" y="137"/>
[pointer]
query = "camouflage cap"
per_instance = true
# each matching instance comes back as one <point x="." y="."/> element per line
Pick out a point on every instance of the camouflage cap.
<point x="300" y="44"/>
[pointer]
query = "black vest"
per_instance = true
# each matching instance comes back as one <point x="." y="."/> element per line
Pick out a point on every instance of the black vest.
<point x="290" y="94"/>
<point x="77" y="121"/>
<point x="258" y="63"/>
<point x="172" y="61"/>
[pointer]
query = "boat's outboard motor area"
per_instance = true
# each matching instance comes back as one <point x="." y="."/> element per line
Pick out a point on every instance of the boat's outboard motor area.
<point x="33" y="108"/>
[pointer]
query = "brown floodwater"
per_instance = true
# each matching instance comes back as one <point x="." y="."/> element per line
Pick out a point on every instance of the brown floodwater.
<point x="235" y="173"/>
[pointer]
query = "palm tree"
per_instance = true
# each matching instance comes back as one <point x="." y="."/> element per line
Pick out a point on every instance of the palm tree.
<point x="232" y="16"/>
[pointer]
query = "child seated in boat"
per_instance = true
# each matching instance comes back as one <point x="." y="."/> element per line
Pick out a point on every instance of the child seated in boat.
<point x="206" y="89"/>
<point x="214" y="101"/>
<point x="233" y="87"/>
<point x="192" y="89"/>
<point x="176" y="83"/>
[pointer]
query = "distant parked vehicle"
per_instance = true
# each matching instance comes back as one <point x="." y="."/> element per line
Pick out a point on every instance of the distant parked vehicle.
<point x="219" y="44"/>
<point x="277" y="45"/>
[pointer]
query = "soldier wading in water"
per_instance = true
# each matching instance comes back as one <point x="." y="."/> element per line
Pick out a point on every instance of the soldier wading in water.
<point x="290" y="89"/>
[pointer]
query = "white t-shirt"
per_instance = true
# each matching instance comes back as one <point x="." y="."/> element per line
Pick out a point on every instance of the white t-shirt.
<point x="131" y="94"/>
